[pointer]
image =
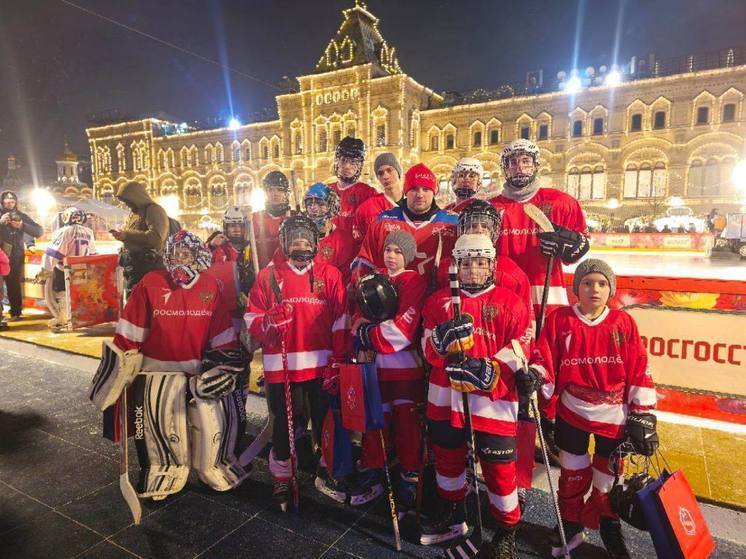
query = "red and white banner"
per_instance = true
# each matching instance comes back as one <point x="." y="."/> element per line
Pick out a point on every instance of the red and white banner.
<point x="93" y="289"/>
<point x="652" y="241"/>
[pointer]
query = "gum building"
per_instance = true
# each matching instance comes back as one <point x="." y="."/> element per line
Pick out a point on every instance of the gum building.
<point x="627" y="141"/>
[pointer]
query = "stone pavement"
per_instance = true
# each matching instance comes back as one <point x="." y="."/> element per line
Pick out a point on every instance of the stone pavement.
<point x="59" y="493"/>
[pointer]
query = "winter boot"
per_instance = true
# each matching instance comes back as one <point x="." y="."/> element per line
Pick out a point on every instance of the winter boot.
<point x="406" y="493"/>
<point x="447" y="522"/>
<point x="574" y="533"/>
<point x="612" y="538"/>
<point x="333" y="488"/>
<point x="281" y="494"/>
<point x="367" y="487"/>
<point x="502" y="545"/>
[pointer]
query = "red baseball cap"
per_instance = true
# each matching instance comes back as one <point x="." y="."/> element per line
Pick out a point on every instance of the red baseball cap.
<point x="420" y="175"/>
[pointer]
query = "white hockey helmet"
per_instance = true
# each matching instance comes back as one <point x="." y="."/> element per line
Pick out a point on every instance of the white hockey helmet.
<point x="474" y="246"/>
<point x="467" y="165"/>
<point x="234" y="215"/>
<point x="518" y="147"/>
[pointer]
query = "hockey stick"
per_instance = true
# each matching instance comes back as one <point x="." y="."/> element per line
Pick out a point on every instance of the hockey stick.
<point x="288" y="404"/>
<point x="369" y="357"/>
<point x="125" y="486"/>
<point x="518" y="350"/>
<point x="470" y="546"/>
<point x="423" y="459"/>
<point x="546" y="227"/>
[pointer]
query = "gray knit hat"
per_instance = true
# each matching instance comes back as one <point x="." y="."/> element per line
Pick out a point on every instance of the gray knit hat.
<point x="387" y="158"/>
<point x="590" y="266"/>
<point x="406" y="243"/>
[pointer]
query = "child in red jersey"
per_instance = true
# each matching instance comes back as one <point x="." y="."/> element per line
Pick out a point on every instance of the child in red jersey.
<point x="604" y="388"/>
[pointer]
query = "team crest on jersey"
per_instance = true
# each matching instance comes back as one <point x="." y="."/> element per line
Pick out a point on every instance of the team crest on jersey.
<point x="353" y="200"/>
<point x="489" y="313"/>
<point x="206" y="296"/>
<point x="327" y="252"/>
<point x="389" y="227"/>
<point x="318" y="286"/>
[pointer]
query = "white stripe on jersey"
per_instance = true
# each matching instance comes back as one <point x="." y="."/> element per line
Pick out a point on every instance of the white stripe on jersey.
<point x="556" y="296"/>
<point x="190" y="367"/>
<point x="130" y="331"/>
<point x="613" y="414"/>
<point x="393" y="335"/>
<point x="297" y="360"/>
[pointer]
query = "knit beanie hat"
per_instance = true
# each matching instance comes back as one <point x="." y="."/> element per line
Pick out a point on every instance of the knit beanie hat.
<point x="590" y="266"/>
<point x="406" y="243"/>
<point x="387" y="158"/>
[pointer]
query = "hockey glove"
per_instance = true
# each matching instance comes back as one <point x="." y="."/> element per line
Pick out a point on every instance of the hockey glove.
<point x="219" y="357"/>
<point x="527" y="381"/>
<point x="276" y="321"/>
<point x="473" y="374"/>
<point x="569" y="245"/>
<point x="215" y="383"/>
<point x="362" y="337"/>
<point x="453" y="336"/>
<point x="641" y="432"/>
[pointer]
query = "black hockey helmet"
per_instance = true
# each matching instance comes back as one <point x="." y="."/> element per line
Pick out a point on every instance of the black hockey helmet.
<point x="276" y="179"/>
<point x="377" y="297"/>
<point x="298" y="226"/>
<point x="354" y="148"/>
<point x="483" y="212"/>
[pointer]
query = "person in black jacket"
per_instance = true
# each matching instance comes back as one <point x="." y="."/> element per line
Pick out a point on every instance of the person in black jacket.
<point x="13" y="225"/>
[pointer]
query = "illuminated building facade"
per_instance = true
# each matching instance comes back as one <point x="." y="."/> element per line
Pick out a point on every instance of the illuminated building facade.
<point x="671" y="133"/>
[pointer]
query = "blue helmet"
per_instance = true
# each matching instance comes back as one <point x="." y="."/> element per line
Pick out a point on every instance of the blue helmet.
<point x="320" y="191"/>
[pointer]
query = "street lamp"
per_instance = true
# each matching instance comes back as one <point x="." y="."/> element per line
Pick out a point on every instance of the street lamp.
<point x="573" y="85"/>
<point x="612" y="204"/>
<point x="43" y="201"/>
<point x="258" y="200"/>
<point x="675" y="202"/>
<point x="234" y="123"/>
<point x="613" y="78"/>
<point x="170" y="204"/>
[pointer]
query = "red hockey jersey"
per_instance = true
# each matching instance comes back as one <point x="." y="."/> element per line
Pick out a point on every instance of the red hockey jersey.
<point x="267" y="228"/>
<point x="171" y="325"/>
<point x="439" y="229"/>
<point x="499" y="316"/>
<point x="519" y="240"/>
<point x="316" y="296"/>
<point x="338" y="249"/>
<point x="367" y="213"/>
<point x="223" y="253"/>
<point x="395" y="340"/>
<point x="600" y="369"/>
<point x="350" y="198"/>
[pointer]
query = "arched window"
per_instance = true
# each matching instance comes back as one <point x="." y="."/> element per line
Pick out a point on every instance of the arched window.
<point x="218" y="195"/>
<point x="276" y="151"/>
<point x="192" y="193"/>
<point x="645" y="181"/>
<point x="587" y="183"/>
<point x="434" y="142"/>
<point x="323" y="144"/>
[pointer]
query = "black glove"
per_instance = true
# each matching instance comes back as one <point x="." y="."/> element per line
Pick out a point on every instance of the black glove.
<point x="569" y="245"/>
<point x="527" y="381"/>
<point x="454" y="336"/>
<point x="641" y="432"/>
<point x="362" y="337"/>
<point x="473" y="374"/>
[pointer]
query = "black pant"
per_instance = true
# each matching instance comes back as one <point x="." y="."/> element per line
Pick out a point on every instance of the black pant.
<point x="575" y="441"/>
<point x="490" y="448"/>
<point x="14" y="281"/>
<point x="298" y="390"/>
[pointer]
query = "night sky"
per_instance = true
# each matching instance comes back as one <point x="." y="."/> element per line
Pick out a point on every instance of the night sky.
<point x="59" y="65"/>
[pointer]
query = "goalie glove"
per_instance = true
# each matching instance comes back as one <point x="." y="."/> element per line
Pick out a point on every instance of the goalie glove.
<point x="214" y="383"/>
<point x="453" y="336"/>
<point x="473" y="374"/>
<point x="569" y="245"/>
<point x="527" y="381"/>
<point x="641" y="432"/>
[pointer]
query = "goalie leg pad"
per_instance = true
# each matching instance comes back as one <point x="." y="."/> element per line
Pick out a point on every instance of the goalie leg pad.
<point x="215" y="430"/>
<point x="116" y="370"/>
<point x="161" y="433"/>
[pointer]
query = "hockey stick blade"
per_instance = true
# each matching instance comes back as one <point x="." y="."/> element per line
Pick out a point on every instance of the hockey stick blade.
<point x="257" y="445"/>
<point x="466" y="548"/>
<point x="538" y="217"/>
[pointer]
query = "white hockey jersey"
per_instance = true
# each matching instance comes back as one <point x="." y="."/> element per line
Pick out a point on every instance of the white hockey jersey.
<point x="70" y="240"/>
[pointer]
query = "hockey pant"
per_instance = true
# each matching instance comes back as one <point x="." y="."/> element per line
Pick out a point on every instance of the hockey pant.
<point x="402" y="424"/>
<point x="579" y="473"/>
<point x="167" y="444"/>
<point x="116" y="369"/>
<point x="279" y="457"/>
<point x="496" y="455"/>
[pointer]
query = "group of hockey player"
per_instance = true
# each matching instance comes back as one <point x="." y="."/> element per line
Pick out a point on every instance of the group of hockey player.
<point x="448" y="305"/>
